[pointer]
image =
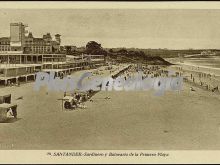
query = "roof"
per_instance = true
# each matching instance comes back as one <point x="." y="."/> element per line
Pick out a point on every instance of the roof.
<point x="47" y="36"/>
<point x="6" y="105"/>
<point x="30" y="35"/>
<point x="38" y="40"/>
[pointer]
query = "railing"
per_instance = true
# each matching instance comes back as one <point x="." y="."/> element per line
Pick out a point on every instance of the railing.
<point x="11" y="52"/>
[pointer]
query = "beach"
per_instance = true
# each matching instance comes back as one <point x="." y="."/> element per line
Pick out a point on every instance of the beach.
<point x="177" y="120"/>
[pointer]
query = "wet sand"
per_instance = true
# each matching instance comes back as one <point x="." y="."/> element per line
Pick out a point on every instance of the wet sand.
<point x="128" y="120"/>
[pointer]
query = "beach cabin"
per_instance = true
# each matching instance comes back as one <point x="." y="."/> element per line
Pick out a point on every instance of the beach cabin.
<point x="6" y="106"/>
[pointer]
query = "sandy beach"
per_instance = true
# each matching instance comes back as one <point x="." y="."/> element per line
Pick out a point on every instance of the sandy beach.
<point x="185" y="120"/>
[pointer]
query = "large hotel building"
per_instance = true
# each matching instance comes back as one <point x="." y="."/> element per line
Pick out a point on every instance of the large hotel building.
<point x="22" y="55"/>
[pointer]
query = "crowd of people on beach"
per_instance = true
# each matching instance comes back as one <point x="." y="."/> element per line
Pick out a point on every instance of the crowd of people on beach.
<point x="11" y="83"/>
<point x="151" y="71"/>
<point x="206" y="80"/>
<point x="77" y="99"/>
<point x="147" y="71"/>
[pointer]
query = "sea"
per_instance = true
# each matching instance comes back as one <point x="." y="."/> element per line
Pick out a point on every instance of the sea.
<point x="210" y="64"/>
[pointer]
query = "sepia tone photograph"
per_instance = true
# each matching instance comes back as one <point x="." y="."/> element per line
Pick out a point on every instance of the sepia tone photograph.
<point x="109" y="78"/>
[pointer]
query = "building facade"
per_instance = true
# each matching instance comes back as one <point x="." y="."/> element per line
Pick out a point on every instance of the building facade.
<point x="5" y="44"/>
<point x="96" y="60"/>
<point x="41" y="45"/>
<point x="17" y="36"/>
<point x="22" y="55"/>
<point x="22" y="41"/>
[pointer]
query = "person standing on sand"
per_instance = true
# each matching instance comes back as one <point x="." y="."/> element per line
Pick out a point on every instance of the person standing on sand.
<point x="9" y="82"/>
<point x="10" y="113"/>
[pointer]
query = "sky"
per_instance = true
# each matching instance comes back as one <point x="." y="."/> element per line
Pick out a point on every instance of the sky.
<point x="133" y="28"/>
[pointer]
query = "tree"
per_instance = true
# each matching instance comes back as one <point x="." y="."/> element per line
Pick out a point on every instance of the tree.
<point x="93" y="47"/>
<point x="111" y="51"/>
<point x="68" y="49"/>
<point x="123" y="51"/>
